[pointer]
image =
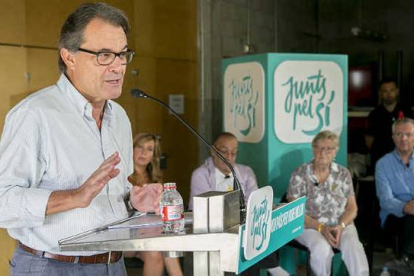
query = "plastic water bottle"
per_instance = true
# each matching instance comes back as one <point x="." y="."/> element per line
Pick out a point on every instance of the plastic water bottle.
<point x="385" y="271"/>
<point x="171" y="209"/>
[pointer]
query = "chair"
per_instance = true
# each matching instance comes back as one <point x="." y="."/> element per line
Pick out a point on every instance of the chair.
<point x="295" y="244"/>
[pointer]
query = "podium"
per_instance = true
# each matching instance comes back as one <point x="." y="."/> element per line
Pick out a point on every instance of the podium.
<point x="152" y="239"/>
<point x="214" y="252"/>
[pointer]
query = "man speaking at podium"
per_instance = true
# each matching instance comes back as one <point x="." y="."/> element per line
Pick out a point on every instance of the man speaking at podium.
<point x="66" y="152"/>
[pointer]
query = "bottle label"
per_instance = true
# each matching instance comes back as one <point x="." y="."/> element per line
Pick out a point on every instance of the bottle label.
<point x="171" y="212"/>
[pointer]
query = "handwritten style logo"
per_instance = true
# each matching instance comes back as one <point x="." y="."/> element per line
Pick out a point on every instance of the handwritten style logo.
<point x="258" y="222"/>
<point x="244" y="101"/>
<point x="300" y="101"/>
<point x="260" y="225"/>
<point x="308" y="97"/>
<point x="243" y="104"/>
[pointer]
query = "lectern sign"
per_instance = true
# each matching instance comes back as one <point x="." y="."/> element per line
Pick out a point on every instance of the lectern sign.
<point x="266" y="232"/>
<point x="258" y="222"/>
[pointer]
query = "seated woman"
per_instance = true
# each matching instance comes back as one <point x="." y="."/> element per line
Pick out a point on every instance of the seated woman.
<point x="330" y="209"/>
<point x="147" y="153"/>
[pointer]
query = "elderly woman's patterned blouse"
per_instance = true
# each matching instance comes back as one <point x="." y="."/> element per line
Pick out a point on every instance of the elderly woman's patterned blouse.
<point x="325" y="202"/>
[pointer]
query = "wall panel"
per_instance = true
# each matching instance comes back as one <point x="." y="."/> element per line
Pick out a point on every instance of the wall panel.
<point x="13" y="83"/>
<point x="166" y="45"/>
<point x="42" y="67"/>
<point x="12" y="21"/>
<point x="44" y="18"/>
<point x="13" y="88"/>
<point x="175" y="29"/>
<point x="179" y="77"/>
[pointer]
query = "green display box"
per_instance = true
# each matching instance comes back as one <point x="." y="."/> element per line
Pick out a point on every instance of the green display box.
<point x="276" y="103"/>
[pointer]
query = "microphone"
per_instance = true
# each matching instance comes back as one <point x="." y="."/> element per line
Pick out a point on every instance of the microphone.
<point x="316" y="183"/>
<point x="137" y="93"/>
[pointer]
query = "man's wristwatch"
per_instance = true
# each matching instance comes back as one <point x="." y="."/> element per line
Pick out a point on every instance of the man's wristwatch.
<point x="343" y="225"/>
<point x="128" y="204"/>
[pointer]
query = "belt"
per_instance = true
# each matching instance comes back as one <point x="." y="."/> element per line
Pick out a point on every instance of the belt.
<point x="110" y="257"/>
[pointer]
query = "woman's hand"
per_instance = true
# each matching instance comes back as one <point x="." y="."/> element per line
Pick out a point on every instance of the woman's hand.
<point x="332" y="234"/>
<point x="336" y="232"/>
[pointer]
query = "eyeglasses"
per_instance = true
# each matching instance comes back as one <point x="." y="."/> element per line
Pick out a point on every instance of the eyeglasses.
<point x="325" y="149"/>
<point x="401" y="134"/>
<point x="225" y="152"/>
<point x="107" y="57"/>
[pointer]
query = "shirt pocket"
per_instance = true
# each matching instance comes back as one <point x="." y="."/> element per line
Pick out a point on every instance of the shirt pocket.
<point x="337" y="191"/>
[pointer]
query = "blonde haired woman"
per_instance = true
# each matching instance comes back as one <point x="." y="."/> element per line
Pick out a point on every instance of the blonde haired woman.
<point x="147" y="155"/>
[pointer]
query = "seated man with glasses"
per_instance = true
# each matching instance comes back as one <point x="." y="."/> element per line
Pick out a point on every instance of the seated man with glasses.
<point x="214" y="175"/>
<point x="394" y="178"/>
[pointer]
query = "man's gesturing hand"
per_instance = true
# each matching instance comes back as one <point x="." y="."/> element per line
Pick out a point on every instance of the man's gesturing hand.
<point x="60" y="201"/>
<point x="95" y="183"/>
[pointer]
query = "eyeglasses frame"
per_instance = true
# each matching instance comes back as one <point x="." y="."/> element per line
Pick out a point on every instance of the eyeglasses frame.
<point x="108" y="52"/>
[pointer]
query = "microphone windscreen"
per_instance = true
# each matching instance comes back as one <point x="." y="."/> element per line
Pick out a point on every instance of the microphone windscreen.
<point x="137" y="93"/>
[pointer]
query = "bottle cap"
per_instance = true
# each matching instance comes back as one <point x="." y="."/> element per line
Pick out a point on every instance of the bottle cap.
<point x="169" y="186"/>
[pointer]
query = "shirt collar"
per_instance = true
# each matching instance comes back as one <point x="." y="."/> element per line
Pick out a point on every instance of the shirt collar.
<point x="78" y="100"/>
<point x="334" y="167"/>
<point x="395" y="153"/>
<point x="222" y="175"/>
<point x="212" y="168"/>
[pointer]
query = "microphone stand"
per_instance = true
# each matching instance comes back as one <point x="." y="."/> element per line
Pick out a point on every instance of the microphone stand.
<point x="136" y="93"/>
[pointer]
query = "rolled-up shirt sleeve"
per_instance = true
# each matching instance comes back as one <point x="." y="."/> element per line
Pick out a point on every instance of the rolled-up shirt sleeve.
<point x="388" y="201"/>
<point x="22" y="165"/>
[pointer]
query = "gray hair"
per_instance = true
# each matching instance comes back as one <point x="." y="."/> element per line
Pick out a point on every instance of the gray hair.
<point x="71" y="34"/>
<point x="402" y="121"/>
<point x="326" y="134"/>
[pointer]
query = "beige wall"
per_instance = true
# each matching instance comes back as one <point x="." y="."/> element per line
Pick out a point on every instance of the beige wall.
<point x="164" y="37"/>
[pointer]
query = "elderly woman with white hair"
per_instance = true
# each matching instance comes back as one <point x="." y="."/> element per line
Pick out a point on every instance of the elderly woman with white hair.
<point x="330" y="209"/>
